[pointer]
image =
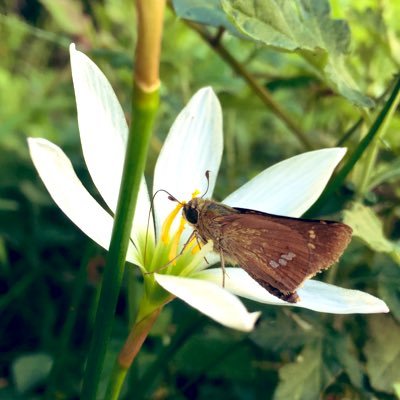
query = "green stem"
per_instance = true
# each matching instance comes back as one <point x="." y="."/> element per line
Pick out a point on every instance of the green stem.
<point x="128" y="353"/>
<point x="143" y="113"/>
<point x="339" y="179"/>
<point x="374" y="148"/>
<point x="350" y="132"/>
<point x="263" y="93"/>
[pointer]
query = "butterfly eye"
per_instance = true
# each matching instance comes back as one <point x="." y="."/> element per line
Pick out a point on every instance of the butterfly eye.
<point x="191" y="215"/>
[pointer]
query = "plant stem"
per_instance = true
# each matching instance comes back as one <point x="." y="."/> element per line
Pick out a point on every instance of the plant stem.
<point x="339" y="179"/>
<point x="143" y="113"/>
<point x="374" y="148"/>
<point x="128" y="353"/>
<point x="263" y="93"/>
<point x="145" y="101"/>
<point x="347" y="135"/>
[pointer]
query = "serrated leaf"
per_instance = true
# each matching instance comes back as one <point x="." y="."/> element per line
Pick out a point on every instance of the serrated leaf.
<point x="307" y="377"/>
<point x="31" y="370"/>
<point x="368" y="227"/>
<point x="383" y="353"/>
<point x="303" y="26"/>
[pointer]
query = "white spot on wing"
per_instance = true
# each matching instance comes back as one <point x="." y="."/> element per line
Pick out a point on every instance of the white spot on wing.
<point x="273" y="264"/>
<point x="288" y="256"/>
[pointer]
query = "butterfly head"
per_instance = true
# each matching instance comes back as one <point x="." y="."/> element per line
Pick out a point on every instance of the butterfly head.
<point x="192" y="209"/>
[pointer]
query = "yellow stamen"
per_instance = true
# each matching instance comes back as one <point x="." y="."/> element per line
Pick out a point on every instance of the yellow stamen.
<point x="195" y="193"/>
<point x="196" y="249"/>
<point x="175" y="240"/>
<point x="168" y="222"/>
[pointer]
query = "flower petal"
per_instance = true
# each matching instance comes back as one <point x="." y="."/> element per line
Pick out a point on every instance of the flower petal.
<point x="104" y="132"/>
<point x="102" y="126"/>
<point x="314" y="295"/>
<point x="290" y="187"/>
<point x="211" y="300"/>
<point x="67" y="191"/>
<point x="193" y="146"/>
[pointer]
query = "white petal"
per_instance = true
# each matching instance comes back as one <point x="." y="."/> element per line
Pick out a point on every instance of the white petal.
<point x="320" y="296"/>
<point x="291" y="186"/>
<point x="193" y="146"/>
<point x="314" y="295"/>
<point x="67" y="191"/>
<point x="104" y="134"/>
<point x="211" y="300"/>
<point x="102" y="126"/>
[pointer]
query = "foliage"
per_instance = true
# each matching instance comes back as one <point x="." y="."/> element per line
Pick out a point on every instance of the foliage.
<point x="333" y="65"/>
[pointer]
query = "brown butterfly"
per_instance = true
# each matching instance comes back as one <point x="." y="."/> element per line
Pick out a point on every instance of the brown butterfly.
<point x="280" y="253"/>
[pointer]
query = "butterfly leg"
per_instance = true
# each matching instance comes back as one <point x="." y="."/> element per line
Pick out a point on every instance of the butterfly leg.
<point x="221" y="254"/>
<point x="198" y="240"/>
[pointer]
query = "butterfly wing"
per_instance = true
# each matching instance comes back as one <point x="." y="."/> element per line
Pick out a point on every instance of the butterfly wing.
<point x="280" y="252"/>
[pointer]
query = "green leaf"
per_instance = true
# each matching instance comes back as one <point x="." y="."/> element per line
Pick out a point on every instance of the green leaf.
<point x="383" y="353"/>
<point x="216" y="357"/>
<point x="31" y="370"/>
<point x="368" y="227"/>
<point x="204" y="12"/>
<point x="283" y="332"/>
<point x="302" y="26"/>
<point x="389" y="285"/>
<point x="397" y="389"/>
<point x="346" y="354"/>
<point x="307" y="377"/>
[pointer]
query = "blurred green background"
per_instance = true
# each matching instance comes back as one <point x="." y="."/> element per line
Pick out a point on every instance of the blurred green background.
<point x="50" y="271"/>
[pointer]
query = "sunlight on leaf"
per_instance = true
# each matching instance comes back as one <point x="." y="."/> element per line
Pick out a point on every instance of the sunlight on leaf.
<point x="303" y="26"/>
<point x="204" y="12"/>
<point x="368" y="227"/>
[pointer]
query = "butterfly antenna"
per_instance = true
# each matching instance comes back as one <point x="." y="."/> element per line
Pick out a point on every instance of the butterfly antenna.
<point x="208" y="183"/>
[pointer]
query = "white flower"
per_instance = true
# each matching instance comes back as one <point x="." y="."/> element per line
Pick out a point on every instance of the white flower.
<point x="194" y="145"/>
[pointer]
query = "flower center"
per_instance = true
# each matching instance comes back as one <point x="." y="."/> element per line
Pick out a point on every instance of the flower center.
<point x="175" y="238"/>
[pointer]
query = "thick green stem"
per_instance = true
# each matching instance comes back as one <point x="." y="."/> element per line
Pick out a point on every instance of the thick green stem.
<point x="143" y="113"/>
<point x="144" y="106"/>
